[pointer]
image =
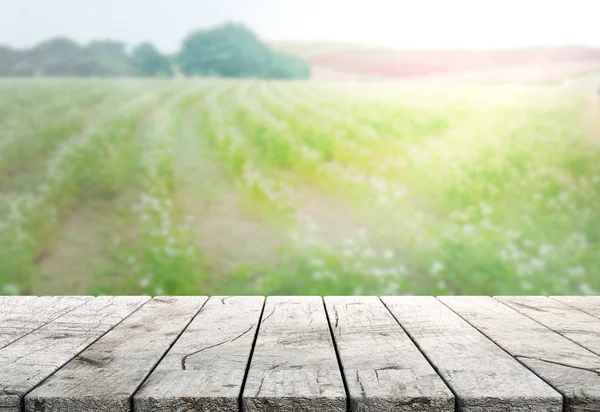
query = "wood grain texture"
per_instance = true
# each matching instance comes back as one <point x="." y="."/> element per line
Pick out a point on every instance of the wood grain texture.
<point x="8" y="302"/>
<point x="27" y="362"/>
<point x="569" y="322"/>
<point x="571" y="369"/>
<point x="294" y="365"/>
<point x="105" y="376"/>
<point x="587" y="304"/>
<point x="482" y="376"/>
<point x="384" y="370"/>
<point x="21" y="315"/>
<point x="205" y="369"/>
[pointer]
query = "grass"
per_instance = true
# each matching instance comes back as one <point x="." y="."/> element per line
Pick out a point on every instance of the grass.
<point x="249" y="187"/>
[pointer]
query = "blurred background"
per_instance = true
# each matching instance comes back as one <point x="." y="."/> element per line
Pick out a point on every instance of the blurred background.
<point x="299" y="147"/>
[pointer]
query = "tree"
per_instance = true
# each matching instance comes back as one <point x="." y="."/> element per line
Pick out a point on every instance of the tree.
<point x="231" y="50"/>
<point x="108" y="47"/>
<point x="284" y="66"/>
<point x="10" y="60"/>
<point x="110" y="58"/>
<point x="149" y="62"/>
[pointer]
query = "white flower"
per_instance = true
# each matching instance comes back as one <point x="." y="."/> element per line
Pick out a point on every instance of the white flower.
<point x="468" y="229"/>
<point x="12" y="289"/>
<point x="437" y="267"/>
<point x="369" y="253"/>
<point x="586" y="289"/>
<point x="537" y="264"/>
<point x="546" y="249"/>
<point x="527" y="285"/>
<point x="486" y="209"/>
<point x="564" y="197"/>
<point x="576" y="271"/>
<point x="329" y="274"/>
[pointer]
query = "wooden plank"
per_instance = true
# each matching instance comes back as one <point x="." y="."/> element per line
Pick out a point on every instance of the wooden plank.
<point x="587" y="304"/>
<point x="570" y="369"/>
<point x="384" y="370"/>
<point x="205" y="369"/>
<point x="294" y="365"/>
<point x="22" y="315"/>
<point x="482" y="376"/>
<point x="27" y="362"/>
<point x="7" y="302"/>
<point x="569" y="322"/>
<point x="105" y="376"/>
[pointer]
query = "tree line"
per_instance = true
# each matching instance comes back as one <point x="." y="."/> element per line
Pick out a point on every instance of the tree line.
<point x="228" y="50"/>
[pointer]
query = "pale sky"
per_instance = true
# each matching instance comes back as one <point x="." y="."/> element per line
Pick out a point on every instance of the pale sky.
<point x="396" y="23"/>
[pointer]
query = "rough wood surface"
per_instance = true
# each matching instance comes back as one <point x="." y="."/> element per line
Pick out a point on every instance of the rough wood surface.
<point x="383" y="368"/>
<point x="571" y="369"/>
<point x="294" y="365"/>
<point x="78" y="353"/>
<point x="587" y="304"/>
<point x="482" y="376"/>
<point x="27" y="362"/>
<point x="22" y="315"/>
<point x="205" y="369"/>
<point x="8" y="302"/>
<point x="571" y="323"/>
<point x="105" y="376"/>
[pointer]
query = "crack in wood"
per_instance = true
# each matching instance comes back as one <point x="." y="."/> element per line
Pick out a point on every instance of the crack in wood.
<point x="89" y="361"/>
<point x="559" y="364"/>
<point x="261" y="385"/>
<point x="184" y="359"/>
<point x="270" y="314"/>
<point x="362" y="388"/>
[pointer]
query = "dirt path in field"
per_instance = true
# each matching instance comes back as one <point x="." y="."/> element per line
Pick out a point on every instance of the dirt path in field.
<point x="227" y="231"/>
<point x="79" y="252"/>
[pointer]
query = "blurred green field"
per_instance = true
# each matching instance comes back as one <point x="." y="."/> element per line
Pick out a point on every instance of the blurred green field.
<point x="254" y="187"/>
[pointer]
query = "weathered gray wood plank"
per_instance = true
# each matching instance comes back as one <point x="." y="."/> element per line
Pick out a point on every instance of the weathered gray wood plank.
<point x="587" y="304"/>
<point x="384" y="370"/>
<point x="105" y="375"/>
<point x="22" y="315"/>
<point x="566" y="366"/>
<point x="573" y="324"/>
<point x="294" y="365"/>
<point x="27" y="362"/>
<point x="7" y="302"/>
<point x="205" y="369"/>
<point x="482" y="376"/>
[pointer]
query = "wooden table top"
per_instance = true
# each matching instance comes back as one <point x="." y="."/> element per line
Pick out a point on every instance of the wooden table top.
<point x="299" y="353"/>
